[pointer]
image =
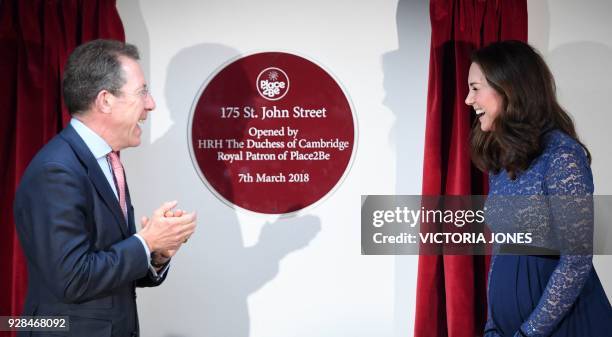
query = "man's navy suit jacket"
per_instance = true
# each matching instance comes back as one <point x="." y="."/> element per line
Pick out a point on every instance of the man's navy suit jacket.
<point x="83" y="260"/>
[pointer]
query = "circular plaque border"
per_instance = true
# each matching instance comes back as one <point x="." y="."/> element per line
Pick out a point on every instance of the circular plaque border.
<point x="248" y="211"/>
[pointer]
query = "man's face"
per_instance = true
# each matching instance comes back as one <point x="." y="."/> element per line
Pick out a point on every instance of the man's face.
<point x="132" y="106"/>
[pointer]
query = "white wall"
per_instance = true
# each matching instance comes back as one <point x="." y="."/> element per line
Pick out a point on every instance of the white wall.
<point x="305" y="276"/>
<point x="575" y="38"/>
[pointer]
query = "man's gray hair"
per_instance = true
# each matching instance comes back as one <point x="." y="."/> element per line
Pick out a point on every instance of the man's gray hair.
<point x="91" y="68"/>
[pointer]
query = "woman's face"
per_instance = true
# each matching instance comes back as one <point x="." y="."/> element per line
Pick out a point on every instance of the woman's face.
<point x="487" y="102"/>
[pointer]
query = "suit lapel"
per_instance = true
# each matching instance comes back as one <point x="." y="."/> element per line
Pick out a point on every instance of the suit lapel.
<point x="95" y="175"/>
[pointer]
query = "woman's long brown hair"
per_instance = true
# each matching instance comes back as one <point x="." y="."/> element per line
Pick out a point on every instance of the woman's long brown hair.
<point x="530" y="108"/>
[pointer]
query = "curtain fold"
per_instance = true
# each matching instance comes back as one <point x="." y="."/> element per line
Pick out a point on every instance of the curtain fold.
<point x="451" y="290"/>
<point x="36" y="37"/>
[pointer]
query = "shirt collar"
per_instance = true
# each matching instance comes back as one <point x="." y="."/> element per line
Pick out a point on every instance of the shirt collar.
<point x="98" y="147"/>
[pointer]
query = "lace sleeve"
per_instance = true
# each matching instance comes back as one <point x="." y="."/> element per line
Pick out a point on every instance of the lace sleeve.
<point x="569" y="184"/>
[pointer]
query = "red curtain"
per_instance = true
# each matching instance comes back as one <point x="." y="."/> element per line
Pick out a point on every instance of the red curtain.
<point x="36" y="37"/>
<point x="451" y="290"/>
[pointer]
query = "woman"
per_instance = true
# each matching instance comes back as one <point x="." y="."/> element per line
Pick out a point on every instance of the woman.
<point x="529" y="146"/>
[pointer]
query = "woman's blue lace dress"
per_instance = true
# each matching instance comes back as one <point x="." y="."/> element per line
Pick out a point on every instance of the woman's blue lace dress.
<point x="546" y="295"/>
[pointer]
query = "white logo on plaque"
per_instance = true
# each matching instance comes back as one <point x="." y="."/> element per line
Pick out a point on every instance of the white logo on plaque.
<point x="272" y="83"/>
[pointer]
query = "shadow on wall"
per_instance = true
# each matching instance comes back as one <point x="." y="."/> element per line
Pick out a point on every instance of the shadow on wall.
<point x="212" y="276"/>
<point x="405" y="84"/>
<point x="539" y="21"/>
<point x="138" y="32"/>
<point x="402" y="68"/>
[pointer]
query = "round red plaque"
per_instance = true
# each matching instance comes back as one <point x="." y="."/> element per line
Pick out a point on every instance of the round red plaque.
<point x="272" y="133"/>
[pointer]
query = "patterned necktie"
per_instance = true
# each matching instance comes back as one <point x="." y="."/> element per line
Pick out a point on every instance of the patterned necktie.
<point x="119" y="179"/>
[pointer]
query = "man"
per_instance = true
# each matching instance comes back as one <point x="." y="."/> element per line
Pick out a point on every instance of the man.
<point x="73" y="210"/>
